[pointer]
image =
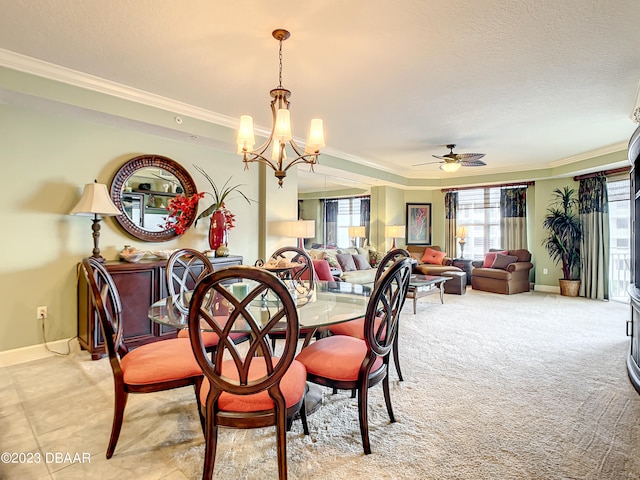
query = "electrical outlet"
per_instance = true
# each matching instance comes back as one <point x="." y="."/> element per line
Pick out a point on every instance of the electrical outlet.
<point x="545" y="271"/>
<point x="42" y="312"/>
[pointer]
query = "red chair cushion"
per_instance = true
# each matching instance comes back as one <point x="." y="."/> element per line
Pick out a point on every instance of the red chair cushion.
<point x="293" y="385"/>
<point x="337" y="358"/>
<point x="211" y="339"/>
<point x="354" y="328"/>
<point x="158" y="362"/>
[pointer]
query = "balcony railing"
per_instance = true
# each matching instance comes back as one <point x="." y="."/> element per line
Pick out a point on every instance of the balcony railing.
<point x="619" y="275"/>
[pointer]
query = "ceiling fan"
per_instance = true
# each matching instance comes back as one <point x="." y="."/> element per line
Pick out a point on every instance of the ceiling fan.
<point x="453" y="161"/>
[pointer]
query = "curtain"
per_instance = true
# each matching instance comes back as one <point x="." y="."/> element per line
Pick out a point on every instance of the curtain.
<point x="513" y="218"/>
<point x="450" y="210"/>
<point x="365" y="207"/>
<point x="331" y="222"/>
<point x="594" y="247"/>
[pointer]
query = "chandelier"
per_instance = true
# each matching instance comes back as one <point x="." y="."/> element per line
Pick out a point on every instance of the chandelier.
<point x="280" y="132"/>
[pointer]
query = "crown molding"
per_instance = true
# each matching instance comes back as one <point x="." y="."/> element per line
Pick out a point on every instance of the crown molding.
<point x="598" y="152"/>
<point x="57" y="73"/>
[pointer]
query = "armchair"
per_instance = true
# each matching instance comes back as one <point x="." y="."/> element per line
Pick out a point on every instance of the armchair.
<point x="511" y="278"/>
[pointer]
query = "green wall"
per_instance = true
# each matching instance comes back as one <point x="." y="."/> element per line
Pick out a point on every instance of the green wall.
<point x="47" y="159"/>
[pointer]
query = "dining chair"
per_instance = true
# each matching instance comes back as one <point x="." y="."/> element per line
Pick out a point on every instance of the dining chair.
<point x="303" y="279"/>
<point x="347" y="363"/>
<point x="185" y="267"/>
<point x="256" y="389"/>
<point x="355" y="328"/>
<point x="153" y="367"/>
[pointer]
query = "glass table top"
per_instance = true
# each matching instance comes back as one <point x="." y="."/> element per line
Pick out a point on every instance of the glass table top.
<point x="329" y="303"/>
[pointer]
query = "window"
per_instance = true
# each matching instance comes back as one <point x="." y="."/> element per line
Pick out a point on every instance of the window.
<point x="342" y="213"/>
<point x="479" y="211"/>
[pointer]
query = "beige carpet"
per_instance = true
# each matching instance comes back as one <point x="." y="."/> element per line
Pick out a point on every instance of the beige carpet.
<point x="529" y="386"/>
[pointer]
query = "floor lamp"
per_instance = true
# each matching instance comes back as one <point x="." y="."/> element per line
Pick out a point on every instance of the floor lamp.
<point x="95" y="201"/>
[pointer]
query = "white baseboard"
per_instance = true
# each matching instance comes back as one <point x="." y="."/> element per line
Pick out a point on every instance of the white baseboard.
<point x="547" y="288"/>
<point x="36" y="352"/>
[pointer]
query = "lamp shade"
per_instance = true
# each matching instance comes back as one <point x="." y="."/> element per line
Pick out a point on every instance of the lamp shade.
<point x="300" y="229"/>
<point x="394" y="231"/>
<point x="357" y="232"/>
<point x="462" y="232"/>
<point x="95" y="200"/>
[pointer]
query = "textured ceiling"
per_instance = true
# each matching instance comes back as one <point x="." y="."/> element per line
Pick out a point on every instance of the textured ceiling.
<point x="530" y="83"/>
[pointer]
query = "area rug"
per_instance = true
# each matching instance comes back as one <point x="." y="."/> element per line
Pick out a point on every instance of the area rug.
<point x="528" y="386"/>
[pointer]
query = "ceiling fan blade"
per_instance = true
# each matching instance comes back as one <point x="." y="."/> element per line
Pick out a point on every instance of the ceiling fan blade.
<point x="468" y="157"/>
<point x="446" y="157"/>
<point x="426" y="163"/>
<point x="472" y="163"/>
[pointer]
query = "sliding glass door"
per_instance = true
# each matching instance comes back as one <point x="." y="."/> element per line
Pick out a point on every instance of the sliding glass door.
<point x="620" y="234"/>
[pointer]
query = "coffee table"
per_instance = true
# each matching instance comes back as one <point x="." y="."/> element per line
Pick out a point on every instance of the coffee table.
<point x="422" y="285"/>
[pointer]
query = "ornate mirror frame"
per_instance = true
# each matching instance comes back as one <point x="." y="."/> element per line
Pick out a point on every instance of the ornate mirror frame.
<point x="127" y="171"/>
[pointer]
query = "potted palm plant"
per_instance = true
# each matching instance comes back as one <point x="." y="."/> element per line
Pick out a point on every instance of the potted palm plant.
<point x="563" y="241"/>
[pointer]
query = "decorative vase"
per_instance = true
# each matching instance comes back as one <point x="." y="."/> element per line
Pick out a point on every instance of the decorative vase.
<point x="217" y="230"/>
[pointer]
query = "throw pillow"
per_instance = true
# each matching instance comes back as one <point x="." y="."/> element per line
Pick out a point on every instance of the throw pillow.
<point x="490" y="257"/>
<point x="376" y="258"/>
<point x="365" y="251"/>
<point x="503" y="261"/>
<point x="361" y="262"/>
<point x="346" y="262"/>
<point x="434" y="257"/>
<point x="330" y="257"/>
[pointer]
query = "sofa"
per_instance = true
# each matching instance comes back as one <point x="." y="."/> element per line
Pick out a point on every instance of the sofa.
<point x="502" y="271"/>
<point x="354" y="264"/>
<point x="430" y="263"/>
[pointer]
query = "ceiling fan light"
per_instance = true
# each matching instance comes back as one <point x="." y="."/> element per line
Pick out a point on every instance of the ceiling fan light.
<point x="450" y="167"/>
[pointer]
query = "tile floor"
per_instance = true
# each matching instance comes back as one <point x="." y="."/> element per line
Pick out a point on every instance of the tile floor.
<point x="55" y="418"/>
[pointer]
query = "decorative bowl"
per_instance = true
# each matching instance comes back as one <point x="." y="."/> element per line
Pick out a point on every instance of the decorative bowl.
<point x="133" y="257"/>
<point x="164" y="254"/>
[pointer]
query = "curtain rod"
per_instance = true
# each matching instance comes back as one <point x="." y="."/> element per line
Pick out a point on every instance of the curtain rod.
<point x="604" y="173"/>
<point x="501" y="185"/>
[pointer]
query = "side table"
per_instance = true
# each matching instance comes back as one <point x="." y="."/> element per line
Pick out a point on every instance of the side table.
<point x="464" y="265"/>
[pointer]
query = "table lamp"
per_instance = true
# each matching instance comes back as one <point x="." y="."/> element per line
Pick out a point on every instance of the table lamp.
<point x="461" y="234"/>
<point x="357" y="232"/>
<point x="95" y="201"/>
<point x="300" y="229"/>
<point x="394" y="231"/>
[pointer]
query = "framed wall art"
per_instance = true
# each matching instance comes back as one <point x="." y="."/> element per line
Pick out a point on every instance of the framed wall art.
<point x="418" y="224"/>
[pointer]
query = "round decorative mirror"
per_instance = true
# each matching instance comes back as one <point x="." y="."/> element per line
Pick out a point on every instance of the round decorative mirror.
<point x="141" y="189"/>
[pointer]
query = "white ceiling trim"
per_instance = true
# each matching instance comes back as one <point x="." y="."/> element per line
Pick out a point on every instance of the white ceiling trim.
<point x="74" y="78"/>
<point x="617" y="147"/>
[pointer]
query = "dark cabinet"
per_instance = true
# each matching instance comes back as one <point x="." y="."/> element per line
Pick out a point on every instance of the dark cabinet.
<point x="633" y="324"/>
<point x="139" y="285"/>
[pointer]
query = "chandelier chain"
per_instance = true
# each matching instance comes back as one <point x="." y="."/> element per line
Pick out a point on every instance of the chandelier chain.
<point x="280" y="71"/>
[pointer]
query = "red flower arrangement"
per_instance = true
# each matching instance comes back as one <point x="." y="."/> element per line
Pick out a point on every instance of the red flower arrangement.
<point x="229" y="218"/>
<point x="181" y="209"/>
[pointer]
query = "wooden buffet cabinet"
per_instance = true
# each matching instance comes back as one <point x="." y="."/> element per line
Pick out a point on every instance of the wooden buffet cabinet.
<point x="140" y="285"/>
